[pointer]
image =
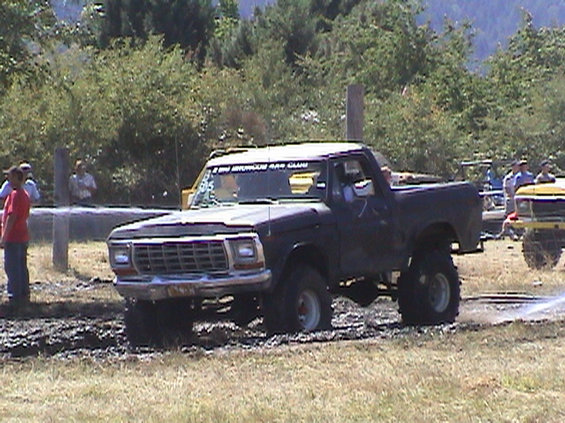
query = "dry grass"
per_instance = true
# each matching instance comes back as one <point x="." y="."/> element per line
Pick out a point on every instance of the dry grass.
<point x="506" y="373"/>
<point x="501" y="268"/>
<point x="513" y="373"/>
<point x="87" y="262"/>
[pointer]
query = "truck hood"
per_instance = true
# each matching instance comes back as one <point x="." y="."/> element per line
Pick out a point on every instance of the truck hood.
<point x="556" y="188"/>
<point x="227" y="219"/>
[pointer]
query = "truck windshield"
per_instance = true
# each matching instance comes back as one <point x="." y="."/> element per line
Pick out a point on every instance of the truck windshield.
<point x="262" y="183"/>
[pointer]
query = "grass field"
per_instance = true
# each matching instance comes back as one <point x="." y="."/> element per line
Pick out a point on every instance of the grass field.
<point x="514" y="372"/>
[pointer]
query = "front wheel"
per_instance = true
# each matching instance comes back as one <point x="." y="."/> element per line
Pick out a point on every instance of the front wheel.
<point x="540" y="251"/>
<point x="300" y="303"/>
<point x="157" y="323"/>
<point x="429" y="291"/>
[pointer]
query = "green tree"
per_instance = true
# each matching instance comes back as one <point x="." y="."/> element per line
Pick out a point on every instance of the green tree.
<point x="125" y="18"/>
<point x="524" y="81"/>
<point x="290" y="22"/>
<point x="21" y="22"/>
<point x="378" y="45"/>
<point x="329" y="10"/>
<point x="533" y="54"/>
<point x="133" y="114"/>
<point x="188" y="23"/>
<point x="227" y="18"/>
<point x="232" y="47"/>
<point x="416" y="134"/>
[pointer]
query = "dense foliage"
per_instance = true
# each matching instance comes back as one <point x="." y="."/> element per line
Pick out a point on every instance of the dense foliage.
<point x="20" y="23"/>
<point x="145" y="89"/>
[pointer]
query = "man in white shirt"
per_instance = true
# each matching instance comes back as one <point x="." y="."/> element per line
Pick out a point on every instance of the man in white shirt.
<point x="29" y="185"/>
<point x="82" y="185"/>
<point x="508" y="187"/>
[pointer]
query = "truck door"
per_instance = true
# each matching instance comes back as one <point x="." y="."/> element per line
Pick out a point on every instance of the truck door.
<point x="364" y="218"/>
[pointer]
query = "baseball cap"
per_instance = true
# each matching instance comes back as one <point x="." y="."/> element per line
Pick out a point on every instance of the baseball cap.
<point x="25" y="166"/>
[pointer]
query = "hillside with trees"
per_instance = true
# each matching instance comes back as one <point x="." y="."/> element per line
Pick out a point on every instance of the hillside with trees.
<point x="145" y="89"/>
<point x="493" y="22"/>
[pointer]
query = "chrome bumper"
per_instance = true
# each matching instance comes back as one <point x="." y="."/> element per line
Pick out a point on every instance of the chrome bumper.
<point x="537" y="224"/>
<point x="179" y="286"/>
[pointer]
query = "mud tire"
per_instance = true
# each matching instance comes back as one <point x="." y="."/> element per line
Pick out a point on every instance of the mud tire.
<point x="300" y="303"/>
<point x="157" y="323"/>
<point x="429" y="291"/>
<point x="244" y="310"/>
<point x="540" y="250"/>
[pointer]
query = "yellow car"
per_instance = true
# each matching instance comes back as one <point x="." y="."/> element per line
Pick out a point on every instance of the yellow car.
<point x="540" y="211"/>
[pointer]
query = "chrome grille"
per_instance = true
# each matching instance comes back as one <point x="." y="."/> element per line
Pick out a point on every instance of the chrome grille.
<point x="552" y="210"/>
<point x="180" y="257"/>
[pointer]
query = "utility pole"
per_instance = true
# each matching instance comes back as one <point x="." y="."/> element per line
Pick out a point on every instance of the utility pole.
<point x="354" y="112"/>
<point x="61" y="216"/>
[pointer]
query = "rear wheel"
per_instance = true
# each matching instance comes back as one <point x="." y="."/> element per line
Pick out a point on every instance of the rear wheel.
<point x="540" y="250"/>
<point x="300" y="303"/>
<point x="157" y="323"/>
<point x="429" y="291"/>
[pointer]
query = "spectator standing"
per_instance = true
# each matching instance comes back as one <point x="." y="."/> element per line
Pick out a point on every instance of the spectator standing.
<point x="508" y="187"/>
<point x="15" y="238"/>
<point x="545" y="176"/>
<point x="387" y="173"/>
<point x="29" y="185"/>
<point x="6" y="189"/>
<point x="82" y="185"/>
<point x="509" y="205"/>
<point x="524" y="176"/>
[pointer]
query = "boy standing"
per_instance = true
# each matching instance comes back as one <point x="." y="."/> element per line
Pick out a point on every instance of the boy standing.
<point x="15" y="238"/>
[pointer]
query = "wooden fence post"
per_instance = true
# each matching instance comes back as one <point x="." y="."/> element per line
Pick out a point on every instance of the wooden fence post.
<point x="354" y="112"/>
<point x="61" y="216"/>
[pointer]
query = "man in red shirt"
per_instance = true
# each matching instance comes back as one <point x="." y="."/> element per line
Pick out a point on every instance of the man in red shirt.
<point x="15" y="238"/>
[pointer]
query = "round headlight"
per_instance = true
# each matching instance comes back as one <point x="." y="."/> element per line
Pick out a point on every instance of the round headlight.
<point x="120" y="256"/>
<point x="523" y="207"/>
<point x="244" y="249"/>
<point x="246" y="253"/>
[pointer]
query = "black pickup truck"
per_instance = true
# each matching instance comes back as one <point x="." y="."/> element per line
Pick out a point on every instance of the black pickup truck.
<point x="276" y="231"/>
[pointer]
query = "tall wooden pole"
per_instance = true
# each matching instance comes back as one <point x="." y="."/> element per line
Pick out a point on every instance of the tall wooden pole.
<point x="61" y="217"/>
<point x="354" y="112"/>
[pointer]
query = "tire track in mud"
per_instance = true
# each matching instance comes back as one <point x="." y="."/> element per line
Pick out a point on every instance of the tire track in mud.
<point x="97" y="330"/>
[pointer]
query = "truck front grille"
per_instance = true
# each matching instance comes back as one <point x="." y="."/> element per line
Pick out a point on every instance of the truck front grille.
<point x="553" y="210"/>
<point x="180" y="257"/>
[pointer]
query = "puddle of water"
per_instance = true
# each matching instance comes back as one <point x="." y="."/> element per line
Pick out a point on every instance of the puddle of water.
<point x="551" y="305"/>
<point x="550" y="308"/>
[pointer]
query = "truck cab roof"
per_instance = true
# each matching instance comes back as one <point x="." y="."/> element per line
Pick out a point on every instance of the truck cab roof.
<point x="303" y="151"/>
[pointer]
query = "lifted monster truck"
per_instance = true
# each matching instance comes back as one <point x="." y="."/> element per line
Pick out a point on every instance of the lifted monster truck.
<point x="275" y="231"/>
<point x="541" y="212"/>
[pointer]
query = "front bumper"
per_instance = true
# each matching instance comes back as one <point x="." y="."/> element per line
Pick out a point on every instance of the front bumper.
<point x="184" y="286"/>
<point x="531" y="224"/>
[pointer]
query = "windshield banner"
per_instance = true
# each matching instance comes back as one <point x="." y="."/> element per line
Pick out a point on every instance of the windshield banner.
<point x="259" y="167"/>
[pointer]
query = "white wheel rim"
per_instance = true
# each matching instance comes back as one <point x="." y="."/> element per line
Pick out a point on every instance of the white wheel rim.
<point x="308" y="310"/>
<point x="439" y="293"/>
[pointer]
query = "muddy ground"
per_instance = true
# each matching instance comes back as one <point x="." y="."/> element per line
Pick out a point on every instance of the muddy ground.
<point x="95" y="329"/>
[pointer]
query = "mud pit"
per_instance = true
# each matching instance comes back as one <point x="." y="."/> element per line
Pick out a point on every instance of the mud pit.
<point x="95" y="329"/>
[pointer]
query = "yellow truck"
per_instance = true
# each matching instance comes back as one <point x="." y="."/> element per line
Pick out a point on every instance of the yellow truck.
<point x="540" y="211"/>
